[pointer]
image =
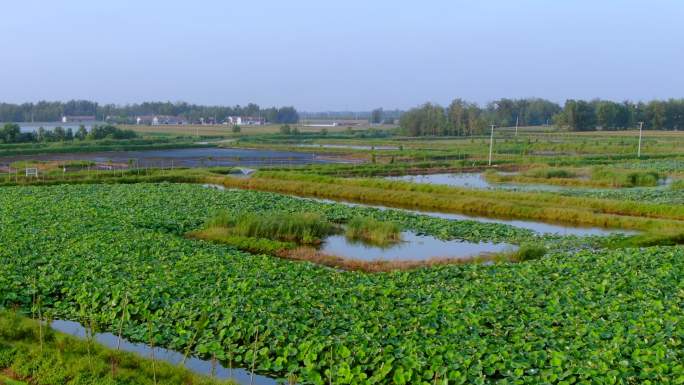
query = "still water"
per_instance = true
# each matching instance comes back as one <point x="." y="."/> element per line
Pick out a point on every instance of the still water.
<point x="186" y="157"/>
<point x="413" y="247"/>
<point x="196" y="365"/>
<point x="348" y="146"/>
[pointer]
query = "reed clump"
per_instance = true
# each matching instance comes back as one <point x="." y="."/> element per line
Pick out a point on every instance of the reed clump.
<point x="625" y="178"/>
<point x="529" y="252"/>
<point x="372" y="231"/>
<point x="550" y="173"/>
<point x="249" y="244"/>
<point x="661" y="238"/>
<point x="300" y="228"/>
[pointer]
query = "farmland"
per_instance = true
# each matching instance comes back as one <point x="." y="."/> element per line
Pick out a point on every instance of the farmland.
<point x="235" y="271"/>
<point x="88" y="251"/>
<point x="341" y="193"/>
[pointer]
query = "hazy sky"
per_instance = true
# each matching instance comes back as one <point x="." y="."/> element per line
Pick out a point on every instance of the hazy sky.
<point x="341" y="54"/>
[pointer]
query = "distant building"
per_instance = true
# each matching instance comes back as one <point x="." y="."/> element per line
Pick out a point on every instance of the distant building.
<point x="246" y="120"/>
<point x="78" y="118"/>
<point x="158" y="120"/>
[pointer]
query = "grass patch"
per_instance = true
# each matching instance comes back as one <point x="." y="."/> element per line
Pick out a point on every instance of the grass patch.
<point x="301" y="228"/>
<point x="529" y="252"/>
<point x="35" y="355"/>
<point x="625" y="178"/>
<point x="665" y="238"/>
<point x="372" y="231"/>
<point x="4" y="380"/>
<point x="550" y="173"/>
<point x="249" y="244"/>
<point x="76" y="164"/>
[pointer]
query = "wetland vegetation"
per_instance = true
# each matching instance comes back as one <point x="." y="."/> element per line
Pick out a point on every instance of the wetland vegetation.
<point x="245" y="275"/>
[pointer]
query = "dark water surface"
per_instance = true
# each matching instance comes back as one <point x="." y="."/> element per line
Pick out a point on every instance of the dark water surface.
<point x="185" y="157"/>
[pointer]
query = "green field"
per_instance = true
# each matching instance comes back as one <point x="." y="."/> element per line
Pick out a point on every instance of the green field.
<point x="235" y="274"/>
<point x="86" y="251"/>
<point x="31" y="353"/>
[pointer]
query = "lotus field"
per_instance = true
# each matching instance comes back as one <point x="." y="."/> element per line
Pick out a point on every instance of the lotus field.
<point x="117" y="256"/>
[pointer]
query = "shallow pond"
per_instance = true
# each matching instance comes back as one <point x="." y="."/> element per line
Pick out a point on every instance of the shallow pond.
<point x="186" y="157"/>
<point x="471" y="180"/>
<point x="413" y="247"/>
<point x="196" y="365"/>
<point x="347" y="146"/>
<point x="476" y="180"/>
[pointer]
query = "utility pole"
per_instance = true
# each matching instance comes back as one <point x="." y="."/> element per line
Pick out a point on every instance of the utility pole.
<point x="491" y="145"/>
<point x="517" y="118"/>
<point x="641" y="130"/>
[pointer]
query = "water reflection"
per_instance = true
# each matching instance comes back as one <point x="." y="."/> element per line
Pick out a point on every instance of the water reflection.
<point x="196" y="365"/>
<point x="413" y="247"/>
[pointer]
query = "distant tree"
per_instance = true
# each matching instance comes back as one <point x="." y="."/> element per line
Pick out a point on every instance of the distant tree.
<point x="285" y="129"/>
<point x="10" y="133"/>
<point x="81" y="133"/>
<point x="324" y="131"/>
<point x="606" y="113"/>
<point x="376" y="116"/>
<point x="59" y="134"/>
<point x="41" y="137"/>
<point x="108" y="131"/>
<point x="577" y="115"/>
<point x="428" y="119"/>
<point x="69" y="134"/>
<point x="656" y="115"/>
<point x="236" y="129"/>
<point x="287" y="115"/>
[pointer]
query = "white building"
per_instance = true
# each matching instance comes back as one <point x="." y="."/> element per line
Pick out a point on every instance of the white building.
<point x="246" y="120"/>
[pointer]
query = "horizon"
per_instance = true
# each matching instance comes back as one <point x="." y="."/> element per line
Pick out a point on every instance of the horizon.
<point x="350" y="56"/>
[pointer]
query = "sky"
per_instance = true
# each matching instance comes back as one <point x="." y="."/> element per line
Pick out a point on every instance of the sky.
<point x="321" y="55"/>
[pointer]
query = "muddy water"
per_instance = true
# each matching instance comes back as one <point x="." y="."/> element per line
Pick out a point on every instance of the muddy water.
<point x="196" y="365"/>
<point x="413" y="247"/>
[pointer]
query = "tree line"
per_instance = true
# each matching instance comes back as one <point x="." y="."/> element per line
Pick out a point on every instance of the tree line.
<point x="462" y="118"/>
<point x="580" y="115"/>
<point x="11" y="133"/>
<point x="45" y="111"/>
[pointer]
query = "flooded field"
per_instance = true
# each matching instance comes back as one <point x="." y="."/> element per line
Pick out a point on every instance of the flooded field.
<point x="477" y="180"/>
<point x="196" y="365"/>
<point x="186" y="157"/>
<point x="413" y="247"/>
<point x="470" y="180"/>
<point x="347" y="146"/>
